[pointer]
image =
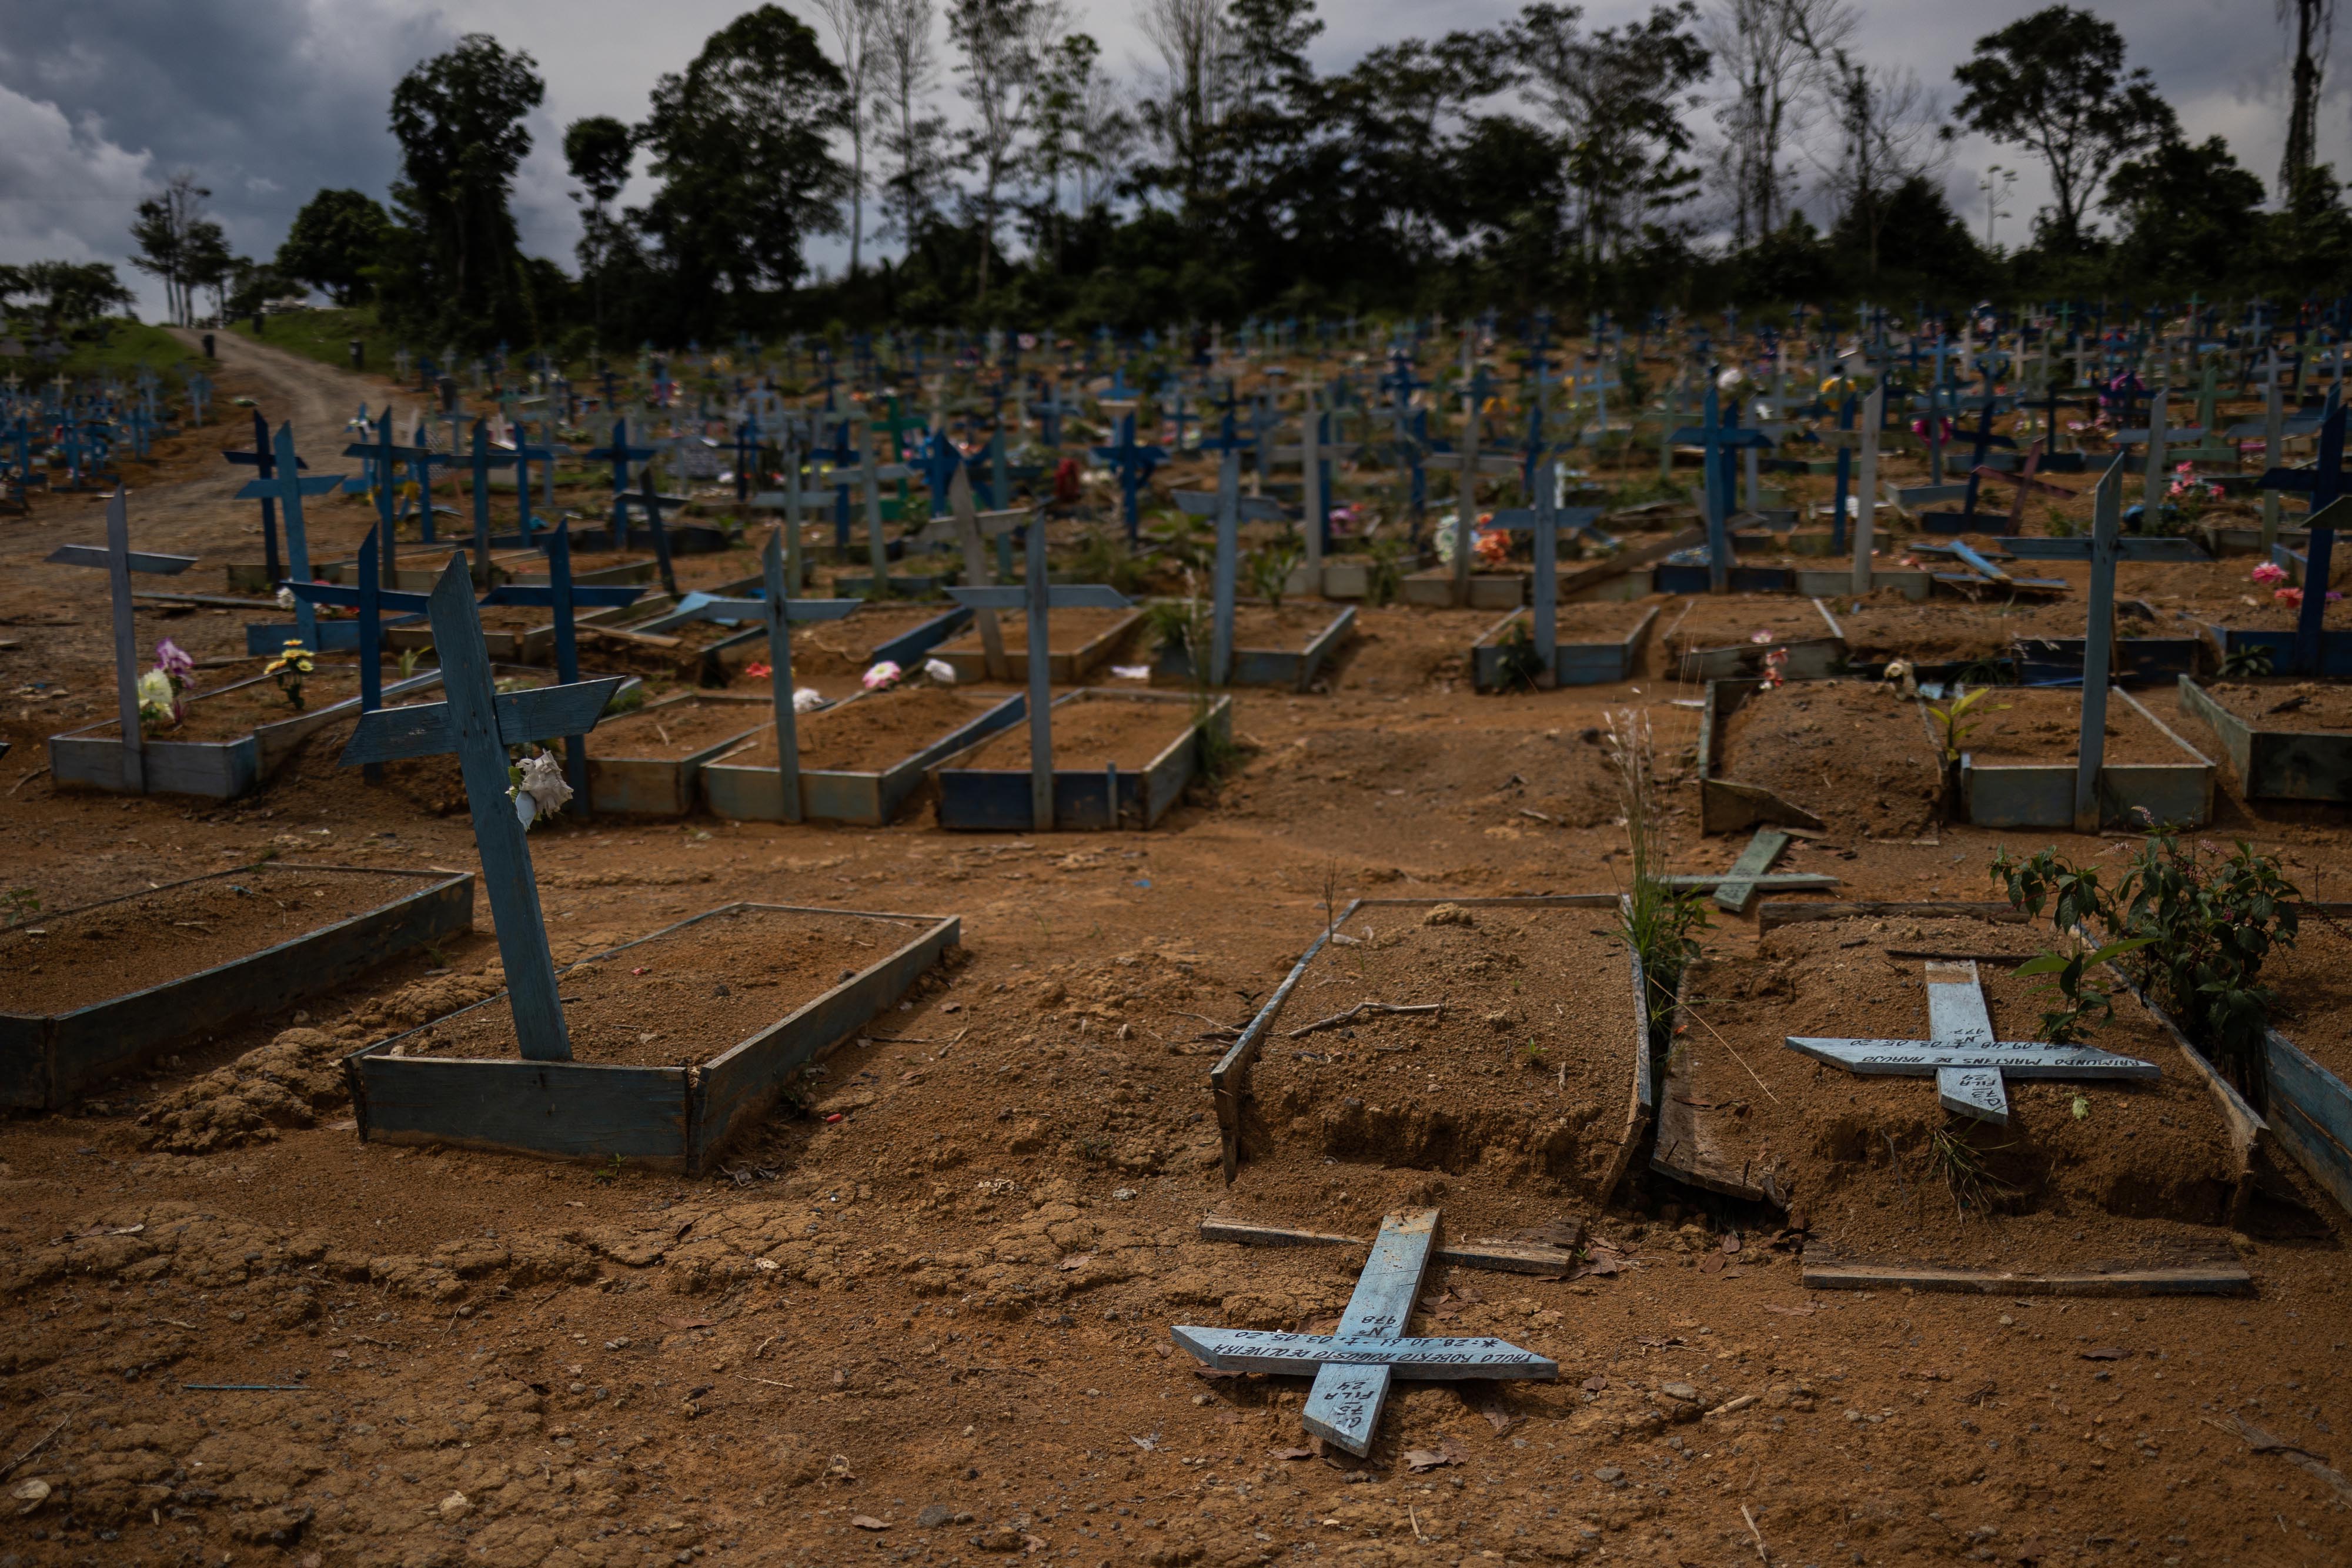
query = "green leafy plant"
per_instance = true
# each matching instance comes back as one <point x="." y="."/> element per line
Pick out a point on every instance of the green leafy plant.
<point x="1960" y="719"/>
<point x="1662" y="924"/>
<point x="2239" y="662"/>
<point x="1531" y="1056"/>
<point x="408" y="658"/>
<point x="1384" y="583"/>
<point x="1270" y="568"/>
<point x="1103" y="557"/>
<point x="1518" y="665"/>
<point x="2058" y="524"/>
<point x="21" y="903"/>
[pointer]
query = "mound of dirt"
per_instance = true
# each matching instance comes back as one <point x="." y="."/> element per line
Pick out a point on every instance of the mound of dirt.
<point x="1854" y="753"/>
<point x="289" y="1082"/>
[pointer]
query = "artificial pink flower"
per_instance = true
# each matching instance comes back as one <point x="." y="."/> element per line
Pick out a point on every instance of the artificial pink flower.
<point x="2269" y="572"/>
<point x="2290" y="597"/>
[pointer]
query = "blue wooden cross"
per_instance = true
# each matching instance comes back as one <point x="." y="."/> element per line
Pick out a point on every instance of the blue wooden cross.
<point x="1049" y="411"/>
<point x="1038" y="597"/>
<point x="1721" y="438"/>
<point x="1545" y="521"/>
<point x="264" y="459"/>
<point x="284" y="483"/>
<point x="2323" y="481"/>
<point x="1981" y="441"/>
<point x="1847" y="408"/>
<point x="1231" y="508"/>
<point x="620" y="453"/>
<point x="120" y="560"/>
<point x="387" y="456"/>
<point x="942" y="461"/>
<point x="1133" y="464"/>
<point x="479" y="724"/>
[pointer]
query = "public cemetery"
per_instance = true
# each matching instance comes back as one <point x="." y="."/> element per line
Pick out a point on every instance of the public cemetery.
<point x="1660" y="934"/>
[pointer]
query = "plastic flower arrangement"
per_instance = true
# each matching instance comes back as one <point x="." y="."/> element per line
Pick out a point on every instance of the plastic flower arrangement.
<point x="291" y="666"/>
<point x="2268" y="573"/>
<point x="882" y="677"/>
<point x="160" y="688"/>
<point x="1776" y="668"/>
<point x="2293" y="597"/>
<point x="538" y="787"/>
<point x="1494" y="547"/>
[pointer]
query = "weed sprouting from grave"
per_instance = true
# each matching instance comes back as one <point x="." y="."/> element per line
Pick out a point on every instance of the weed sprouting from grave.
<point x="1385" y="582"/>
<point x="1103" y="557"/>
<point x="1662" y="924"/>
<point x="2239" y="662"/>
<point x="408" y="658"/>
<point x="1960" y="719"/>
<point x="2189" y="924"/>
<point x="1518" y="663"/>
<point x="1961" y="1163"/>
<point x="1270" y="568"/>
<point x="19" y="903"/>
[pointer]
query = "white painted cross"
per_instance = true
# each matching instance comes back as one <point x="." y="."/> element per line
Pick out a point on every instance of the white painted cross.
<point x="1354" y="1366"/>
<point x="1967" y="1062"/>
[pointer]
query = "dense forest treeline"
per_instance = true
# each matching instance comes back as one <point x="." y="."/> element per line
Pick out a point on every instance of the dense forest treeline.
<point x="1739" y="154"/>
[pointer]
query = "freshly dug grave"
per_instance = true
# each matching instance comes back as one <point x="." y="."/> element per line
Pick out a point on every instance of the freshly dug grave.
<point x="1092" y="735"/>
<point x="2286" y="703"/>
<point x="2086" y="1173"/>
<point x="1855" y="753"/>
<point x="2312" y="980"/>
<point x="1689" y="624"/>
<point x="2024" y="723"/>
<point x="1397" y="650"/>
<point x="1528" y="1072"/>
<point x="845" y="647"/>
<point x="1430" y="776"/>
<point x="677" y="728"/>
<point x="55" y="963"/>
<point x="1888" y="626"/>
<point x="871" y="733"/>
<point x="1070" y="631"/>
<point x="2220" y="591"/>
<point x="702" y="990"/>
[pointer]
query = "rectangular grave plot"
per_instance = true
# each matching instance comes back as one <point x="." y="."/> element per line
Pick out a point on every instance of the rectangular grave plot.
<point x="1858" y="754"/>
<point x="2278" y="756"/>
<point x="675" y="1117"/>
<point x="997" y="799"/>
<point x="1552" y="968"/>
<point x="2145" y="1176"/>
<point x="1585" y="653"/>
<point x="2005" y="784"/>
<point x="1084" y="641"/>
<point x="1312" y="635"/>
<point x="1433" y="590"/>
<point x="2334" y="646"/>
<point x="2309" y="1048"/>
<point x="742" y="786"/>
<point x="1679" y="577"/>
<point x="46" y="1057"/>
<point x="2138" y="660"/>
<point x="92" y="757"/>
<point x="647" y="763"/>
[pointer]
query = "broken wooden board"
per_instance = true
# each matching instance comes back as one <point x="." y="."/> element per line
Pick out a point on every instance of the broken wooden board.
<point x="1725" y="807"/>
<point x="1738" y="889"/>
<point x="1503" y="1256"/>
<point x="1825" y="1272"/>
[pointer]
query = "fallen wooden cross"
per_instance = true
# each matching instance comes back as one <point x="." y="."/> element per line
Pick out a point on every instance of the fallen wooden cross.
<point x="1354" y="1367"/>
<point x="1503" y="1256"/>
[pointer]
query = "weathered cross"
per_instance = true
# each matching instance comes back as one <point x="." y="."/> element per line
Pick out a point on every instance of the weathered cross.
<point x="1133" y="464"/>
<point x="1962" y="1052"/>
<point x="2323" y="481"/>
<point x="1718" y="436"/>
<point x="1231" y="508"/>
<point x="264" y="458"/>
<point x="620" y="453"/>
<point x="480" y="723"/>
<point x="1355" y="1365"/>
<point x="283" y="482"/>
<point x="1036" y="597"/>
<point x="120" y="560"/>
<point x="1545" y="521"/>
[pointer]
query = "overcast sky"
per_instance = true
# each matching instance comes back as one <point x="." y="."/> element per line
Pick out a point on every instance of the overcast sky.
<point x="269" y="101"/>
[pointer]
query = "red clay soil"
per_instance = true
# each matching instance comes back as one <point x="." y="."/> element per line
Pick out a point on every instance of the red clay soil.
<point x="1093" y="735"/>
<point x="2024" y="723"/>
<point x="54" y="963"/>
<point x="1856" y="754"/>
<point x="233" y="712"/>
<point x="1600" y="622"/>
<point x="1888" y="626"/>
<point x="846" y="646"/>
<point x="1397" y="650"/>
<point x="2134" y="1169"/>
<point x="873" y="732"/>
<point x="1286" y="629"/>
<point x="1527" y="1067"/>
<point x="677" y="728"/>
<point x="2282" y="704"/>
<point x="1710" y="622"/>
<point x="685" y="996"/>
<point x="1070" y="629"/>
<point x="2312" y="981"/>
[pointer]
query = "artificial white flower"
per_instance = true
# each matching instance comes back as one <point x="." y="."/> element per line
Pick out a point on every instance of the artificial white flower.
<point x="542" y="789"/>
<point x="939" y="670"/>
<point x="807" y="699"/>
<point x="285" y="597"/>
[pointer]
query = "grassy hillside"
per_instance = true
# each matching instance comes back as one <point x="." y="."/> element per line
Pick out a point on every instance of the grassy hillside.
<point x="128" y="345"/>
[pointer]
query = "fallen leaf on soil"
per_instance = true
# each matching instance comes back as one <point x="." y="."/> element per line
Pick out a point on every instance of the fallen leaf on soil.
<point x="1290" y="1453"/>
<point x="1805" y="1312"/>
<point x="1731" y="1241"/>
<point x="1603" y="1265"/>
<point x="1418" y="1459"/>
<point x="1713" y="1265"/>
<point x="1596" y="1382"/>
<point x="1481" y="1395"/>
<point x="867" y="1521"/>
<point x="1076" y="1260"/>
<point x="2105" y="1352"/>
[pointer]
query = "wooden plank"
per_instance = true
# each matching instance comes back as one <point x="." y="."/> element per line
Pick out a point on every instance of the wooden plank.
<point x="1626" y="560"/>
<point x="1727" y="807"/>
<point x="424" y="729"/>
<point x="1823" y="1272"/>
<point x="1769" y="916"/>
<point x="2090" y="749"/>
<point x="564" y="1109"/>
<point x="2311" y="1113"/>
<point x="1737" y="887"/>
<point x="1344" y="1406"/>
<point x="1502" y="1257"/>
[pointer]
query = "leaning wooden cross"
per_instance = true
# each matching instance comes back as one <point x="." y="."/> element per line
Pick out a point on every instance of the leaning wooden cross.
<point x="1354" y="1366"/>
<point x="1036" y="597"/>
<point x="120" y="560"/>
<point x="480" y="723"/>
<point x="1960" y="1053"/>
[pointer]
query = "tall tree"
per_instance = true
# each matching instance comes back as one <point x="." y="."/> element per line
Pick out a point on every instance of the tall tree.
<point x="1886" y="137"/>
<point x="597" y="151"/>
<point x="1066" y="82"/>
<point x="741" y="141"/>
<point x="1004" y="43"/>
<point x="1771" y="49"/>
<point x="163" y="230"/>
<point x="458" y="119"/>
<point x="2313" y="22"/>
<point x="1616" y="94"/>
<point x="72" y="292"/>
<point x="2188" y="210"/>
<point x="914" y="136"/>
<point x="855" y="24"/>
<point x="1183" y="115"/>
<point x="2054" y="83"/>
<point x="334" y="244"/>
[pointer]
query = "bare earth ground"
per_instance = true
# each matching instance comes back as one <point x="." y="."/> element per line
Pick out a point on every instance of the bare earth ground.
<point x="934" y="1329"/>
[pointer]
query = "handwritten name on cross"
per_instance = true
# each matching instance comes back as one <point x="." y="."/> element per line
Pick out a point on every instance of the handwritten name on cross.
<point x="1038" y="599"/>
<point x="1968" y="1063"/>
<point x="120" y="560"/>
<point x="480" y="723"/>
<point x="1355" y="1366"/>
